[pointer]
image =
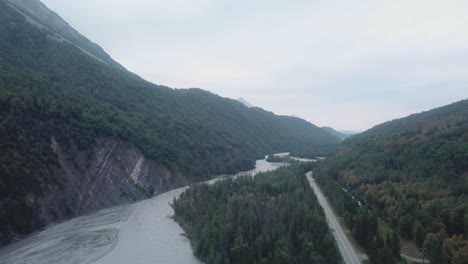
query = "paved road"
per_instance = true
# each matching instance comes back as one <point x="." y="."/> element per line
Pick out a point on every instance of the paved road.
<point x="344" y="245"/>
<point x="415" y="260"/>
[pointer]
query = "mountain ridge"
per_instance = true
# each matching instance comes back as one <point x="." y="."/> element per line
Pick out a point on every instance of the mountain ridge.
<point x="74" y="129"/>
<point x="39" y="15"/>
<point x="341" y="134"/>
<point x="411" y="172"/>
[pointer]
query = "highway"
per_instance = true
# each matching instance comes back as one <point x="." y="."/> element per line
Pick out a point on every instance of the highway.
<point x="347" y="251"/>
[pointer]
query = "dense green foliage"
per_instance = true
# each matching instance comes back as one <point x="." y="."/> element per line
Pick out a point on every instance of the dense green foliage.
<point x="51" y="89"/>
<point x="275" y="158"/>
<point x="305" y="151"/>
<point x="413" y="172"/>
<point x="271" y="218"/>
<point x="362" y="220"/>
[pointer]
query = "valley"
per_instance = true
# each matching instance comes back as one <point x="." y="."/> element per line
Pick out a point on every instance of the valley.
<point x="346" y="249"/>
<point x="68" y="122"/>
<point x="100" y="165"/>
<point x="133" y="233"/>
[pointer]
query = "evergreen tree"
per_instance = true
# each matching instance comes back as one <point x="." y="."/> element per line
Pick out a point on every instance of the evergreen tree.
<point x="418" y="233"/>
<point x="396" y="248"/>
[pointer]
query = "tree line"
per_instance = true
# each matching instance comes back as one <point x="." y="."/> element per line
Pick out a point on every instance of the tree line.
<point x="363" y="222"/>
<point x="273" y="217"/>
<point x="410" y="173"/>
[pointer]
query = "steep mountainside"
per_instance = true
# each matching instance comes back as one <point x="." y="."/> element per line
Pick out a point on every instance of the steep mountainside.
<point x="412" y="171"/>
<point x="78" y="134"/>
<point x="39" y="15"/>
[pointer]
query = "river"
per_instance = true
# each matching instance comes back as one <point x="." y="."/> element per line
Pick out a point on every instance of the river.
<point x="142" y="232"/>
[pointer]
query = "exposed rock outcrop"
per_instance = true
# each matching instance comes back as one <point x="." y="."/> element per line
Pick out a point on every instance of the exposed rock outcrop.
<point x="112" y="173"/>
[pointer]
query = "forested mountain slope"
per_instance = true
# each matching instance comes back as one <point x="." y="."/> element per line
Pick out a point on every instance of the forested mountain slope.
<point x="78" y="134"/>
<point x="339" y="134"/>
<point x="39" y="15"/>
<point x="414" y="172"/>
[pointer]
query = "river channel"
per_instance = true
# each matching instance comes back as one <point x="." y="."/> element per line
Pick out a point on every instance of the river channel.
<point x="142" y="232"/>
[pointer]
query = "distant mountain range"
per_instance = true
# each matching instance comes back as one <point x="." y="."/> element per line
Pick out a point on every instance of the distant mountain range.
<point x="341" y="134"/>
<point x="244" y="102"/>
<point x="349" y="132"/>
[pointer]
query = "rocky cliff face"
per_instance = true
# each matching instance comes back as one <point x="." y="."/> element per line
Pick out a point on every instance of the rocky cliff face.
<point x="112" y="173"/>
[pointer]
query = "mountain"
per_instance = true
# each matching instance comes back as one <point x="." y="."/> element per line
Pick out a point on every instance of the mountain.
<point x="349" y="132"/>
<point x="244" y="102"/>
<point x="36" y="13"/>
<point x="411" y="171"/>
<point x="341" y="134"/>
<point x="78" y="132"/>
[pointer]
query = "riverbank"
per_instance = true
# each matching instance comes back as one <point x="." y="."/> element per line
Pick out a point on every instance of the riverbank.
<point x="143" y="232"/>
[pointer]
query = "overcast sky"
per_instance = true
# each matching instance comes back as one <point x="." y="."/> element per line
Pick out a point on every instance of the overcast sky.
<point x="345" y="64"/>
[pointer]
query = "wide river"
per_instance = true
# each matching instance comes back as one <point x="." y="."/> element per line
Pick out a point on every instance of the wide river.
<point x="142" y="232"/>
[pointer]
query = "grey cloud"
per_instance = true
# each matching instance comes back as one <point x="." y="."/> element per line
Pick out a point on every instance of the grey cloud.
<point x="345" y="64"/>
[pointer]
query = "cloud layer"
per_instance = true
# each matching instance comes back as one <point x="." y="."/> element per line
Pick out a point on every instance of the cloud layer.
<point x="345" y="64"/>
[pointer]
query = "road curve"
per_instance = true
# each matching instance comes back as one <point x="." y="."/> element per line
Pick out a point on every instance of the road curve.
<point x="347" y="251"/>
